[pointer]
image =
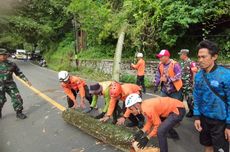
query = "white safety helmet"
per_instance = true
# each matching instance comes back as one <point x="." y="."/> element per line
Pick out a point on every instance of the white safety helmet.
<point x="140" y="55"/>
<point x="132" y="99"/>
<point x="63" y="76"/>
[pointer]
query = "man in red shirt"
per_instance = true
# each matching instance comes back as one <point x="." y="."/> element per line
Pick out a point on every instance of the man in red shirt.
<point x="154" y="109"/>
<point x="72" y="85"/>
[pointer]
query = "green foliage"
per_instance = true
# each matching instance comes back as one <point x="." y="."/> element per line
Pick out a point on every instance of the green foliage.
<point x="61" y="59"/>
<point x="10" y="40"/>
<point x="97" y="52"/>
<point x="29" y="29"/>
<point x="92" y="74"/>
<point x="127" y="78"/>
<point x="91" y="16"/>
<point x="38" y="22"/>
<point x="152" y="25"/>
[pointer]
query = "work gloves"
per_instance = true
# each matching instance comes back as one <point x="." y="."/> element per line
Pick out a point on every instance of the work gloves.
<point x="143" y="142"/>
<point x="138" y="135"/>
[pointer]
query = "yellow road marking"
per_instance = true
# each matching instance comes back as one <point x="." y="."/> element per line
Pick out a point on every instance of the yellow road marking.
<point x="42" y="95"/>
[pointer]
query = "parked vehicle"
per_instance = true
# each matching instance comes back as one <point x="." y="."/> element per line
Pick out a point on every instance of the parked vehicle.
<point x="42" y="63"/>
<point x="20" y="54"/>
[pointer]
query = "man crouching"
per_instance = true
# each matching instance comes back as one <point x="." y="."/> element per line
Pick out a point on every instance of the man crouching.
<point x="155" y="110"/>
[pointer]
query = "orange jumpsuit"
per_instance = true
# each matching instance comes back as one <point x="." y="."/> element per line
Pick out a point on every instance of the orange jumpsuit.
<point x="140" y="67"/>
<point x="127" y="89"/>
<point x="155" y="108"/>
<point x="74" y="83"/>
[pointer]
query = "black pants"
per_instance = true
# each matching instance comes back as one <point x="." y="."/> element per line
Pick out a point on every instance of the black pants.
<point x="134" y="118"/>
<point x="176" y="95"/>
<point x="212" y="134"/>
<point x="166" y="125"/>
<point x="117" y="112"/>
<point x="88" y="96"/>
<point x="141" y="82"/>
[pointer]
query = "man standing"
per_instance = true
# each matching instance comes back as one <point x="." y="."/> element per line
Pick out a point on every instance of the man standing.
<point x="189" y="70"/>
<point x="140" y="67"/>
<point x="7" y="84"/>
<point x="168" y="76"/>
<point x="212" y="100"/>
<point x="172" y="110"/>
<point x="72" y="85"/>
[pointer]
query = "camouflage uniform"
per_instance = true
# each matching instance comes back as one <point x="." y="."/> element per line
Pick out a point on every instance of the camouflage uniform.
<point x="7" y="84"/>
<point x="187" y="78"/>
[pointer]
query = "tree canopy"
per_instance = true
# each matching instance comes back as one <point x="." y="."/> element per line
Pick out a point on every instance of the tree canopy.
<point x="152" y="24"/>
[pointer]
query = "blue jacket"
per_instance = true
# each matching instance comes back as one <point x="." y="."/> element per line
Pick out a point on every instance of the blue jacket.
<point x="205" y="101"/>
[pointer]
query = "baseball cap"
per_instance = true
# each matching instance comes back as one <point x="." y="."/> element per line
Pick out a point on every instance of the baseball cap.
<point x="163" y="53"/>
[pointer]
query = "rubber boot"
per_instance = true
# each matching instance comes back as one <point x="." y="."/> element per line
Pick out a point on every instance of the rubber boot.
<point x="101" y="115"/>
<point x="20" y="115"/>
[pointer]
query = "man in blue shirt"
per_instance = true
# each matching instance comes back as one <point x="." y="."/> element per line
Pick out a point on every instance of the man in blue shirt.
<point x="212" y="100"/>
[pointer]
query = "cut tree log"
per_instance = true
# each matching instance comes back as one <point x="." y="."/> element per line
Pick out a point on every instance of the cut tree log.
<point x="117" y="136"/>
<point x="146" y="149"/>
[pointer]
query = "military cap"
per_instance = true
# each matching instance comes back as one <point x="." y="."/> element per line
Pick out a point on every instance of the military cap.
<point x="184" y="51"/>
<point x="3" y="51"/>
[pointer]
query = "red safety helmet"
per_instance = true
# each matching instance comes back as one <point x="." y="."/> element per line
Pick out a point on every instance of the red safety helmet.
<point x="115" y="89"/>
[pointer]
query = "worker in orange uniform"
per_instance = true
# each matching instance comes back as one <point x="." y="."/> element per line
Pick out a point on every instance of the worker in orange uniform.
<point x="154" y="109"/>
<point x="120" y="92"/>
<point x="72" y="85"/>
<point x="102" y="89"/>
<point x="140" y="67"/>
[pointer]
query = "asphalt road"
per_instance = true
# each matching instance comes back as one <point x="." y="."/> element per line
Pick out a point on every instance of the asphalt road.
<point x="45" y="130"/>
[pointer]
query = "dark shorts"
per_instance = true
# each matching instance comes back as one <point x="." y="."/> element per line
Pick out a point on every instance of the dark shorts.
<point x="212" y="134"/>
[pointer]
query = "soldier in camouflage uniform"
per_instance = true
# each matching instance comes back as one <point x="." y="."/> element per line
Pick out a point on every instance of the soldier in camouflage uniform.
<point x="7" y="84"/>
<point x="188" y="71"/>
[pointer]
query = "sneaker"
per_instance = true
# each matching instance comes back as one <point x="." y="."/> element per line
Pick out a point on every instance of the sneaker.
<point x="20" y="115"/>
<point x="101" y="115"/>
<point x="189" y="114"/>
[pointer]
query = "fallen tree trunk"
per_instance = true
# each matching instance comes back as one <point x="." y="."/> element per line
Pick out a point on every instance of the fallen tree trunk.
<point x="117" y="136"/>
<point x="146" y="149"/>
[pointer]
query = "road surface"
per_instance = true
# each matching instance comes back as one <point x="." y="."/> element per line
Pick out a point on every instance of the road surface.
<point x="45" y="130"/>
